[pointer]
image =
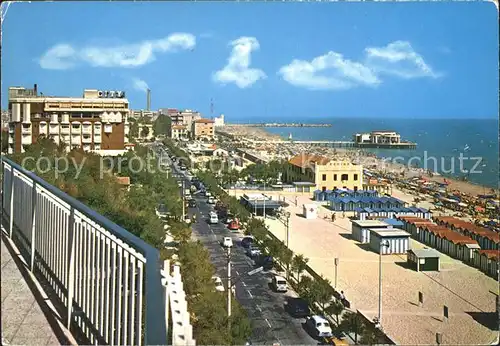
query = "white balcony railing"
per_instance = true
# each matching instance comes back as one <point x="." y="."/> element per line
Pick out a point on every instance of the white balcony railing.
<point x="86" y="139"/>
<point x="65" y="130"/>
<point x="76" y="140"/>
<point x="109" y="285"/>
<point x="53" y="129"/>
<point x="26" y="129"/>
<point x="97" y="139"/>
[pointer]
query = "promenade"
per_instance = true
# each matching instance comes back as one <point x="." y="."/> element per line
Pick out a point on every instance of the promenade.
<point x="23" y="320"/>
<point x="468" y="293"/>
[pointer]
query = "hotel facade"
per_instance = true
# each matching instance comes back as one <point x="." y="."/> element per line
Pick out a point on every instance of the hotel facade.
<point x="97" y="122"/>
<point x="329" y="174"/>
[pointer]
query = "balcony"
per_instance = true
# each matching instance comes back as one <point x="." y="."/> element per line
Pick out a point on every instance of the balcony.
<point x="86" y="139"/>
<point x="87" y="128"/>
<point x="76" y="140"/>
<point x="65" y="130"/>
<point x="97" y="139"/>
<point x="11" y="140"/>
<point x="53" y="129"/>
<point x="26" y="129"/>
<point x="65" y="139"/>
<point x="88" y="265"/>
<point x="26" y="139"/>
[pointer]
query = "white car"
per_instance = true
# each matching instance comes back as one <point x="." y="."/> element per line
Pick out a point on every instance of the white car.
<point x="319" y="326"/>
<point x="213" y="218"/>
<point x="279" y="284"/>
<point x="227" y="242"/>
<point x="218" y="284"/>
<point x="211" y="200"/>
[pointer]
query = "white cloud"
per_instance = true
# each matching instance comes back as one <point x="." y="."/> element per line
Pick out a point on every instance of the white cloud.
<point x="333" y="72"/>
<point x="140" y="85"/>
<point x="237" y="69"/>
<point x="328" y="72"/>
<point x="398" y="58"/>
<point x="59" y="57"/>
<point x="64" y="56"/>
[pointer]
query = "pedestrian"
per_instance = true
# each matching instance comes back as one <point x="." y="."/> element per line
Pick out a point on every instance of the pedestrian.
<point x="343" y="214"/>
<point x="342" y="296"/>
<point x="333" y="217"/>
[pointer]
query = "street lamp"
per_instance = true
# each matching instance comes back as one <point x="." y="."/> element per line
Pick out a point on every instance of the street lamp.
<point x="383" y="243"/>
<point x="286" y="222"/>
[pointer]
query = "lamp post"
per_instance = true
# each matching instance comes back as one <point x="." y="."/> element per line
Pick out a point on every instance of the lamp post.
<point x="229" y="287"/>
<point x="383" y="243"/>
<point x="286" y="223"/>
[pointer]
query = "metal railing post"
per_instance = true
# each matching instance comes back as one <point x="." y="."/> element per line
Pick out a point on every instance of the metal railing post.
<point x="33" y="226"/>
<point x="71" y="267"/>
<point x="155" y="331"/>
<point x="11" y="216"/>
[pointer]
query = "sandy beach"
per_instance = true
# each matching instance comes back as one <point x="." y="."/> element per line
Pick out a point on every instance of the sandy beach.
<point x="286" y="148"/>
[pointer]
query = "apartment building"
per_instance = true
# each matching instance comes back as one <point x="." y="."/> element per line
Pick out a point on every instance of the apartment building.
<point x="98" y="121"/>
<point x="179" y="132"/>
<point x="329" y="174"/>
<point x="203" y="129"/>
<point x="219" y="121"/>
<point x="185" y="117"/>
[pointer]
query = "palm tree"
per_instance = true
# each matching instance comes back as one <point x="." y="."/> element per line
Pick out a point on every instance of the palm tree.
<point x="351" y="324"/>
<point x="299" y="264"/>
<point x="335" y="308"/>
<point x="304" y="287"/>
<point x="321" y="292"/>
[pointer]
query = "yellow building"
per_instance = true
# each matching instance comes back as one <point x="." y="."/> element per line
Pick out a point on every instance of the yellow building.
<point x="329" y="174"/>
<point x="203" y="128"/>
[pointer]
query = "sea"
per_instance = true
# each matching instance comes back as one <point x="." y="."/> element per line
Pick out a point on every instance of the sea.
<point x="440" y="143"/>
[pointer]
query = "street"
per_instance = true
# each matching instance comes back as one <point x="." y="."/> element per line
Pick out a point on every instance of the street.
<point x="266" y="308"/>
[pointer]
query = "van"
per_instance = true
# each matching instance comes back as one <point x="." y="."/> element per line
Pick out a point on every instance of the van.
<point x="279" y="284"/>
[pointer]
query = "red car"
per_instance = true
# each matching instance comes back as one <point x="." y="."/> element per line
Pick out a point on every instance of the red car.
<point x="234" y="225"/>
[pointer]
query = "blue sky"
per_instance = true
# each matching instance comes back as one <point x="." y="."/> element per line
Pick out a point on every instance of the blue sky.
<point x="264" y="60"/>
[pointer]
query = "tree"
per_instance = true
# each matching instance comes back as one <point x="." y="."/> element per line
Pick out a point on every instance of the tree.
<point x="351" y="323"/>
<point x="304" y="288"/>
<point x="162" y="125"/>
<point x="145" y="131"/>
<point x="335" y="308"/>
<point x="5" y="141"/>
<point x="299" y="264"/>
<point x="321" y="292"/>
<point x="134" y="128"/>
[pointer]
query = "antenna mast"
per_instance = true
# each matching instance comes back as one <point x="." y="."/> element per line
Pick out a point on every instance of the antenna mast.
<point x="212" y="107"/>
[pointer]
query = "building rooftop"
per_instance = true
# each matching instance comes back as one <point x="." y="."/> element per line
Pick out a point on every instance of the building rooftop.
<point x="389" y="232"/>
<point x="370" y="223"/>
<point x="425" y="253"/>
<point x="304" y="160"/>
<point x="204" y="121"/>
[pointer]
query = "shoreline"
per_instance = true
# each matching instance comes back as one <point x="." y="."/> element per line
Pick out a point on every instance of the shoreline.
<point x="365" y="158"/>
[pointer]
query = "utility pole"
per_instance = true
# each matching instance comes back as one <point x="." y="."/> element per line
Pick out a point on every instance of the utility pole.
<point x="183" y="204"/>
<point x="336" y="262"/>
<point x="229" y="287"/>
<point x="382" y="245"/>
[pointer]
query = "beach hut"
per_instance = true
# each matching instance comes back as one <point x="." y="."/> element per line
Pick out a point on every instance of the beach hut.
<point x="487" y="262"/>
<point x="424" y="259"/>
<point x="310" y="211"/>
<point x="393" y="222"/>
<point x="317" y="195"/>
<point x="398" y="240"/>
<point x="360" y="229"/>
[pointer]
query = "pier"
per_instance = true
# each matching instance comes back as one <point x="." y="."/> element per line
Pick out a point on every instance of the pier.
<point x="345" y="144"/>
<point x="281" y="125"/>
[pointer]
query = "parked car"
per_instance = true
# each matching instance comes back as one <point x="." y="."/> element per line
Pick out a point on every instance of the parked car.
<point x="319" y="326"/>
<point x="253" y="251"/>
<point x="227" y="242"/>
<point x="218" y="284"/>
<point x="298" y="307"/>
<point x="192" y="203"/>
<point x="265" y="261"/>
<point x="279" y="284"/>
<point x="246" y="241"/>
<point x="211" y="200"/>
<point x="234" y="225"/>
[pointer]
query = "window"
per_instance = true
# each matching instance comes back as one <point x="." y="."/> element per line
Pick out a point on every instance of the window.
<point x="335" y="177"/>
<point x="355" y="177"/>
<point x="344" y="177"/>
<point x="324" y="177"/>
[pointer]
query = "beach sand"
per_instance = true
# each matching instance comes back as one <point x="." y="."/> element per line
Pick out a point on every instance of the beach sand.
<point x="367" y="160"/>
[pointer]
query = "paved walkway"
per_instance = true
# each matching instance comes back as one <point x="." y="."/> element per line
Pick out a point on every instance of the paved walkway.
<point x="23" y="321"/>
